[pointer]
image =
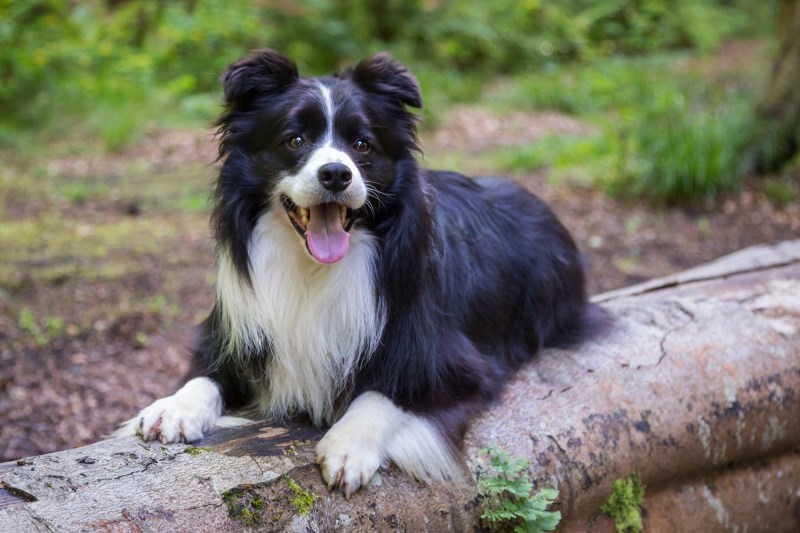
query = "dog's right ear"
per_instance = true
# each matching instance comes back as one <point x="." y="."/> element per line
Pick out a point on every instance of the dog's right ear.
<point x="264" y="72"/>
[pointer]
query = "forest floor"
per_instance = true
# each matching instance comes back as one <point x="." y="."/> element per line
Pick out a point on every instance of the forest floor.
<point x="106" y="262"/>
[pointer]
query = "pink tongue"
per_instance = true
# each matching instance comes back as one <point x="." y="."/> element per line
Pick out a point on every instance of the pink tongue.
<point x="326" y="238"/>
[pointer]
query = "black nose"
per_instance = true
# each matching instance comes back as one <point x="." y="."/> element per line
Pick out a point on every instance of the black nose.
<point x="334" y="176"/>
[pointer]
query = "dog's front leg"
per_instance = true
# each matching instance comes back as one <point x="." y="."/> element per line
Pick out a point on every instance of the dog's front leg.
<point x="374" y="429"/>
<point x="353" y="449"/>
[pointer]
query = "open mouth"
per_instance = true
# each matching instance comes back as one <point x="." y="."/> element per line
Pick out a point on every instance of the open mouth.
<point x="325" y="228"/>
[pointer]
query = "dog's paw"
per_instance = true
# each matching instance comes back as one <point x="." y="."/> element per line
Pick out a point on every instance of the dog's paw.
<point x="347" y="461"/>
<point x="174" y="420"/>
<point x="183" y="417"/>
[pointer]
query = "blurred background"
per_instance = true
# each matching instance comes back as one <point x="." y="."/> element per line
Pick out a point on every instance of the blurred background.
<point x="663" y="132"/>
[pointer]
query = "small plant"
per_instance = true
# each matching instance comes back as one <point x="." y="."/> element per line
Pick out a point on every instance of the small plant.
<point x="624" y="504"/>
<point x="29" y="324"/>
<point x="54" y="327"/>
<point x="505" y="491"/>
<point x="160" y="306"/>
<point x="141" y="339"/>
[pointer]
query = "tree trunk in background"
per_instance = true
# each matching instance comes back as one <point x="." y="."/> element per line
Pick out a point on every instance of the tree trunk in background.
<point x="777" y="132"/>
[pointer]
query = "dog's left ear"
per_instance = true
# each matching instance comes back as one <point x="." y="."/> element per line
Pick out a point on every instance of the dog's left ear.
<point x="383" y="75"/>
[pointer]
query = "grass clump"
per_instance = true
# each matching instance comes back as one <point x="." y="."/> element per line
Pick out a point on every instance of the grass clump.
<point x="624" y="504"/>
<point x="663" y="131"/>
<point x="506" y="493"/>
<point x="29" y="324"/>
<point x="674" y="151"/>
<point x="54" y="327"/>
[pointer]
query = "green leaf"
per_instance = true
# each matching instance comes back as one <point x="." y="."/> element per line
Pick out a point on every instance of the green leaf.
<point x="506" y="493"/>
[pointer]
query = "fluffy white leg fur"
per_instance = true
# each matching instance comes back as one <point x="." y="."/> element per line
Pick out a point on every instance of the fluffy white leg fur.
<point x="183" y="417"/>
<point x="420" y="451"/>
<point x="374" y="429"/>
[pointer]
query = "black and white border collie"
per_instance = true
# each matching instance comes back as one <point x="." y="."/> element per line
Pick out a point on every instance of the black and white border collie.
<point x="383" y="300"/>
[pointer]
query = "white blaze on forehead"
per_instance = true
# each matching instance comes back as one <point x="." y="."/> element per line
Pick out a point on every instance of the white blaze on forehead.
<point x="303" y="187"/>
<point x="327" y="104"/>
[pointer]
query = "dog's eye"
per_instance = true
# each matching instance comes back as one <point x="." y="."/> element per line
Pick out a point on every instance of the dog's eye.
<point x="295" y="142"/>
<point x="362" y="146"/>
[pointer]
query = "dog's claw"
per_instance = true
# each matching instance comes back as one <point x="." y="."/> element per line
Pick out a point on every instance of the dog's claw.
<point x="336" y="480"/>
<point x="347" y="463"/>
<point x="332" y="483"/>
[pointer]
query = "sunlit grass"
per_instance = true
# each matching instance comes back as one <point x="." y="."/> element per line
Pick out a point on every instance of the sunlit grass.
<point x="680" y="153"/>
<point x="666" y="133"/>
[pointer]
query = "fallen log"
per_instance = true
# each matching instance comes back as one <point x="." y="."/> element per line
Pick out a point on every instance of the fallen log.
<point x="696" y="388"/>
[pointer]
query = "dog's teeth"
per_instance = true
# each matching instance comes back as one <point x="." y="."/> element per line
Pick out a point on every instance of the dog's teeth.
<point x="304" y="216"/>
<point x="343" y="213"/>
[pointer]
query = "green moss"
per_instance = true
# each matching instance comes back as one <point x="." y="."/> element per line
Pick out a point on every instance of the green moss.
<point x="303" y="499"/>
<point x="625" y="504"/>
<point x="243" y="506"/>
<point x="292" y="449"/>
<point x="248" y="517"/>
<point x="196" y="450"/>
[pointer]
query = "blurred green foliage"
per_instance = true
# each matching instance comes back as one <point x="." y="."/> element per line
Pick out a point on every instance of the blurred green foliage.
<point x="58" y="53"/>
<point x="675" y="149"/>
<point x="111" y="68"/>
<point x="664" y="128"/>
<point x="115" y="64"/>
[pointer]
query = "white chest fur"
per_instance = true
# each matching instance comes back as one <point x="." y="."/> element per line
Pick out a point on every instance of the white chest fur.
<point x="317" y="319"/>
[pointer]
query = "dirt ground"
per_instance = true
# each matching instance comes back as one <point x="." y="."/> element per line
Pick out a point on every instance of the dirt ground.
<point x="106" y="263"/>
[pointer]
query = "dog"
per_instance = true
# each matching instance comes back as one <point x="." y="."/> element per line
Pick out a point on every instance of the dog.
<point x="386" y="301"/>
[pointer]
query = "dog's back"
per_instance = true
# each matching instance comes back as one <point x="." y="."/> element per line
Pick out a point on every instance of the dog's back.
<point x="513" y="274"/>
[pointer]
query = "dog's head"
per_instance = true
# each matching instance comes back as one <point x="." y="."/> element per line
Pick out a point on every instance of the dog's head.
<point x="325" y="150"/>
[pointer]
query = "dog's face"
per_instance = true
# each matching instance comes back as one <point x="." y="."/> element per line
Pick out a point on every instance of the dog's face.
<point x="323" y="149"/>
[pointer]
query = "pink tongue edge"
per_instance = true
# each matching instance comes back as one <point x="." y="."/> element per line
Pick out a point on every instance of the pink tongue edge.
<point x="327" y="240"/>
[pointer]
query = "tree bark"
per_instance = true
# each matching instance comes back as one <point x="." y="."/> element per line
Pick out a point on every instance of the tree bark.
<point x="777" y="132"/>
<point x="696" y="387"/>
